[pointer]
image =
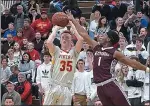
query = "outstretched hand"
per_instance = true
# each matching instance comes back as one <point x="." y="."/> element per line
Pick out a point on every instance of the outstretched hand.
<point x="69" y="15"/>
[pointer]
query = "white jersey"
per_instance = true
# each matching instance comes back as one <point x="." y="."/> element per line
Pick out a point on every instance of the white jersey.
<point x="64" y="65"/>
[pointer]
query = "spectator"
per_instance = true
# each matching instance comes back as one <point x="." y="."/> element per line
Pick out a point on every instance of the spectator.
<point x="5" y="70"/>
<point x="11" y="30"/>
<point x="42" y="25"/>
<point x="15" y="71"/>
<point x="38" y="43"/>
<point x="9" y="101"/>
<point x="8" y="44"/>
<point x="26" y="65"/>
<point x="19" y="37"/>
<point x="33" y="15"/>
<point x="34" y="5"/>
<point x="11" y="92"/>
<point x="6" y="18"/>
<point x="44" y="75"/>
<point x="28" y="31"/>
<point x="44" y="49"/>
<point x="14" y="10"/>
<point x="19" y="17"/>
<point x="32" y="52"/>
<point x="122" y="44"/>
<point x="24" y="46"/>
<point x="23" y="87"/>
<point x="11" y="59"/>
<point x="84" y="23"/>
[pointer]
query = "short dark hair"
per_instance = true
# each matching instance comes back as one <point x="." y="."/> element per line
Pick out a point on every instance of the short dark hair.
<point x="9" y="97"/>
<point x="89" y="50"/>
<point x="114" y="37"/>
<point x="139" y="39"/>
<point x="4" y="57"/>
<point x="47" y="53"/>
<point x="14" y="67"/>
<point x="78" y="62"/>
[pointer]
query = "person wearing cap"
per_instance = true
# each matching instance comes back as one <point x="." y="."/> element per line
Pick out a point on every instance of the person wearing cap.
<point x="10" y="86"/>
<point x="23" y="87"/>
<point x="42" y="25"/>
<point x="108" y="89"/>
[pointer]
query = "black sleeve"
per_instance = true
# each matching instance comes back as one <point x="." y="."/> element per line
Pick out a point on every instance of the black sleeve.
<point x="142" y="60"/>
<point x="134" y="83"/>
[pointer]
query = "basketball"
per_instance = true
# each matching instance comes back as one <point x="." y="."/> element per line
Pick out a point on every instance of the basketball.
<point x="60" y="19"/>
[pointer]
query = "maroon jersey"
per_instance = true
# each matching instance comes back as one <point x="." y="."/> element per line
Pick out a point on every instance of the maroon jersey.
<point x="103" y="58"/>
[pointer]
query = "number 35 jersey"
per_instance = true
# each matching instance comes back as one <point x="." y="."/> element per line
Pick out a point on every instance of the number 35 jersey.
<point x="64" y="65"/>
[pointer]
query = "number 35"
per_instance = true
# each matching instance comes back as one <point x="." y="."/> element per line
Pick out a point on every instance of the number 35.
<point x="66" y="65"/>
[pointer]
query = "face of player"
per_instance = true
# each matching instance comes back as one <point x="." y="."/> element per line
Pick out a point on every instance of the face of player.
<point x="103" y="38"/>
<point x="10" y="87"/>
<point x="65" y="40"/>
<point x="81" y="66"/>
<point x="9" y="102"/>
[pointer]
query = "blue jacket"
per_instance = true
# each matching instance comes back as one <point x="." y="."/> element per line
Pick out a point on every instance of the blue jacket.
<point x="14" y="33"/>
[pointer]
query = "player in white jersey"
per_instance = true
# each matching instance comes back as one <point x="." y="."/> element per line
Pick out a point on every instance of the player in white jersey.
<point x="64" y="66"/>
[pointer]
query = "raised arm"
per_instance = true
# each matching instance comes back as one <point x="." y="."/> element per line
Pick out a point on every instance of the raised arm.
<point x="51" y="38"/>
<point x="81" y="31"/>
<point x="137" y="65"/>
<point x="79" y="43"/>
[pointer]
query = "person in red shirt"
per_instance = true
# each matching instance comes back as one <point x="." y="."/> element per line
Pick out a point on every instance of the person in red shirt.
<point x="19" y="37"/>
<point x="42" y="25"/>
<point x="33" y="53"/>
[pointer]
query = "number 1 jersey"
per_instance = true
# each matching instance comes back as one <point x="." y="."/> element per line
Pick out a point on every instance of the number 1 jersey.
<point x="64" y="65"/>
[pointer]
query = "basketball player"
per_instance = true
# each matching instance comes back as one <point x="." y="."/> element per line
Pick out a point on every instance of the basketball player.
<point x="108" y="90"/>
<point x="64" y="66"/>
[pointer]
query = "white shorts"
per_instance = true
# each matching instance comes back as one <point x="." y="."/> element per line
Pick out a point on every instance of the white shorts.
<point x="58" y="95"/>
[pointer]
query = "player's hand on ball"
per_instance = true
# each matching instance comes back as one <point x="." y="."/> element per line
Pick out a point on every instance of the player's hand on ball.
<point x="69" y="15"/>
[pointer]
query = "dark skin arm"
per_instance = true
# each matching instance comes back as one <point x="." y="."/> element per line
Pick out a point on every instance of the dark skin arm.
<point x="134" y="64"/>
<point x="81" y="30"/>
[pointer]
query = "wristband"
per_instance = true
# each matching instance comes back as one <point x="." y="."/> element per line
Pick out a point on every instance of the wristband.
<point x="147" y="70"/>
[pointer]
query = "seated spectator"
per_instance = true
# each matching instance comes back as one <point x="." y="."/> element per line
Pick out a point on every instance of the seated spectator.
<point x="24" y="46"/>
<point x="12" y="93"/>
<point x="15" y="71"/>
<point x="42" y="25"/>
<point x="38" y="43"/>
<point x="26" y="65"/>
<point x="13" y="8"/>
<point x="19" y="37"/>
<point x="11" y="59"/>
<point x="19" y="17"/>
<point x="9" y="101"/>
<point x="8" y="44"/>
<point x="34" y="5"/>
<point x="28" y="31"/>
<point x="84" y="23"/>
<point x="5" y="70"/>
<point x="6" y="18"/>
<point x="23" y="87"/>
<point x="32" y="52"/>
<point x="33" y="15"/>
<point x="11" y="30"/>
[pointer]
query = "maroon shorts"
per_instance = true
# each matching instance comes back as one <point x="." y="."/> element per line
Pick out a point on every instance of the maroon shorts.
<point x="111" y="94"/>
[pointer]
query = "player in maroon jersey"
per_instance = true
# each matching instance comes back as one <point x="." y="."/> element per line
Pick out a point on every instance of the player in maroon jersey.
<point x="108" y="89"/>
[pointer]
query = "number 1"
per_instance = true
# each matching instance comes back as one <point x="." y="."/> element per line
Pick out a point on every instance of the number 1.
<point x="99" y="61"/>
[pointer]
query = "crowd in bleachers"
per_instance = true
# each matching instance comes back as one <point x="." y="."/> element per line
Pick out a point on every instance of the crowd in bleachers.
<point x="24" y="32"/>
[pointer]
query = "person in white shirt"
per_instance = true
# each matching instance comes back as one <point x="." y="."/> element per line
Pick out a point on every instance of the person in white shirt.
<point x="44" y="73"/>
<point x="135" y="82"/>
<point x="80" y="85"/>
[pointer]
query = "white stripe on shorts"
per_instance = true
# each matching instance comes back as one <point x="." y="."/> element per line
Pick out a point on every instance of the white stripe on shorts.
<point x="122" y="92"/>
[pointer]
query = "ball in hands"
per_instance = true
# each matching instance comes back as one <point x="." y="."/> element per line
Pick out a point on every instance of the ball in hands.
<point x="60" y="19"/>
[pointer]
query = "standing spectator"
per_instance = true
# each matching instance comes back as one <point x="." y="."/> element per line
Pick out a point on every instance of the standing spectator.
<point x="26" y="65"/>
<point x="32" y="52"/>
<point x="34" y="5"/>
<point x="44" y="73"/>
<point x="11" y="92"/>
<point x="19" y="17"/>
<point x="19" y="37"/>
<point x="122" y="44"/>
<point x="11" y="30"/>
<point x="38" y="43"/>
<point x="13" y="8"/>
<point x="23" y="87"/>
<point x="8" y="44"/>
<point x="6" y="18"/>
<point x="42" y="25"/>
<point x="28" y="31"/>
<point x="33" y="15"/>
<point x="5" y="70"/>
<point x="80" y="85"/>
